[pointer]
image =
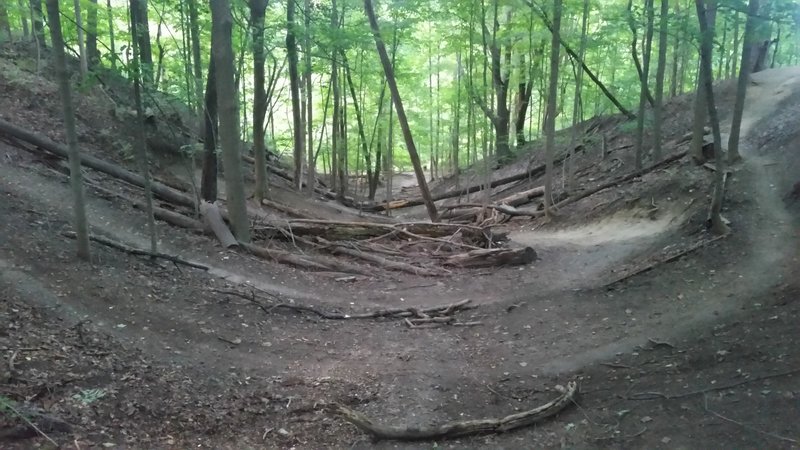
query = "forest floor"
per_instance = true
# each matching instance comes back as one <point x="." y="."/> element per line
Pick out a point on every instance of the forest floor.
<point x="699" y="352"/>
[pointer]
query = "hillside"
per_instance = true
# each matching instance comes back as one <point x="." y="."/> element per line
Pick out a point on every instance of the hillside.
<point x="676" y="338"/>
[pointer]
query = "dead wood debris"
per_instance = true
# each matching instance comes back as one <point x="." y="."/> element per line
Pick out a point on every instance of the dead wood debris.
<point x="413" y="316"/>
<point x="139" y="252"/>
<point x="461" y="427"/>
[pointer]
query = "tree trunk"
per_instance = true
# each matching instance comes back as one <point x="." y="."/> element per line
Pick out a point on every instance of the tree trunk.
<point x="658" y="112"/>
<point x="577" y="108"/>
<point x="336" y="118"/>
<point x="643" y="78"/>
<point x="524" y="91"/>
<point x="644" y="95"/>
<point x="140" y="144"/>
<point x="112" y="43"/>
<point x="311" y="168"/>
<point x="456" y="127"/>
<point x="24" y="18"/>
<point x="38" y="23"/>
<point x="5" y="24"/>
<point x="550" y="115"/>
<point x="197" y="62"/>
<point x="76" y="181"/>
<point x="81" y="43"/>
<point x="294" y="85"/>
<point x="221" y="42"/>
<point x="138" y="10"/>
<point x="359" y="120"/>
<point x="208" y="184"/>
<point x="707" y="38"/>
<point x="257" y="11"/>
<point x="401" y="114"/>
<point x="741" y="86"/>
<point x="700" y="103"/>
<point x="92" y="52"/>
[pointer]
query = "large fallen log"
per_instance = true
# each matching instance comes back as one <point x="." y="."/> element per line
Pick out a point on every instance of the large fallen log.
<point x="160" y="190"/>
<point x="461" y="427"/>
<point x="493" y="257"/>
<point x="213" y="220"/>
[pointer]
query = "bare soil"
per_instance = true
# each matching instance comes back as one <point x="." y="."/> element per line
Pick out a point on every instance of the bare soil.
<point x="699" y="352"/>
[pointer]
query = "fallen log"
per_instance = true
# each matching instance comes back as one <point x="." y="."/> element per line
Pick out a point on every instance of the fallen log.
<point x="213" y="220"/>
<point x="139" y="252"/>
<point x="521" y="198"/>
<point x="410" y="311"/>
<point x="160" y="190"/>
<point x="461" y="427"/>
<point x="379" y="260"/>
<point x="493" y="257"/>
<point x="316" y="264"/>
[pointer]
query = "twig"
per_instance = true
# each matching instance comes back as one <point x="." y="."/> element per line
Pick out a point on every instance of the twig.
<point x="139" y="252"/>
<point x="616" y="365"/>
<point x="652" y="395"/>
<point x="749" y="427"/>
<point x="29" y="423"/>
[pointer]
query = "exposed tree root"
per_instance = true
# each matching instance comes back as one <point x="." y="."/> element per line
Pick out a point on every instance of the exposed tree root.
<point x="462" y="427"/>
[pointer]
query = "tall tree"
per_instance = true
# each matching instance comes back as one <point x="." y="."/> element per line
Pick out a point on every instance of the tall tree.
<point x="401" y="113"/>
<point x="197" y="63"/>
<point x="92" y="53"/>
<point x="550" y="115"/>
<point x="140" y="144"/>
<point x="294" y="85"/>
<point x="5" y="23"/>
<point x="644" y="94"/>
<point x="81" y="43"/>
<point x="76" y="182"/>
<point x="658" y="111"/>
<point x="311" y="170"/>
<point x="257" y="11"/>
<point x="222" y="45"/>
<point x="718" y="226"/>
<point x="700" y="114"/>
<point x="112" y="44"/>
<point x="138" y="11"/>
<point x="208" y="184"/>
<point x="577" y="108"/>
<point x="38" y="23"/>
<point x="741" y="85"/>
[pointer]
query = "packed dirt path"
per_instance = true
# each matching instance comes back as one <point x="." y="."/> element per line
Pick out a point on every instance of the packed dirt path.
<point x="206" y="368"/>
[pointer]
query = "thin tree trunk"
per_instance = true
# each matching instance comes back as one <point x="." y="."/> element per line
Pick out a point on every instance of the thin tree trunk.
<point x="644" y="95"/>
<point x="37" y="19"/>
<point x="577" y="107"/>
<point x="359" y="120"/>
<point x="111" y="35"/>
<point x="524" y="91"/>
<point x="658" y="112"/>
<point x="257" y="11"/>
<point x="550" y="115"/>
<point x="24" y="18"/>
<point x="81" y="43"/>
<point x="197" y="62"/>
<point x="294" y="84"/>
<point x="208" y="184"/>
<point x="221" y="42"/>
<point x="707" y="37"/>
<point x="76" y="182"/>
<point x="741" y="86"/>
<point x="91" y="35"/>
<point x="700" y="104"/>
<point x="676" y="51"/>
<point x="311" y="168"/>
<point x="643" y="78"/>
<point x="140" y="144"/>
<point x="138" y="10"/>
<point x="5" y="24"/>
<point x="401" y="114"/>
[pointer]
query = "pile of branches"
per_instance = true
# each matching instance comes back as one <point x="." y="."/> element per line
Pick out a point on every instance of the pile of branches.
<point x="419" y="248"/>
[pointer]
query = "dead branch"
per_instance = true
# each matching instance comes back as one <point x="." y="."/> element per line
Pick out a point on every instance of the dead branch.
<point x="440" y="310"/>
<point x="139" y="252"/>
<point x="669" y="259"/>
<point x="460" y="427"/>
<point x="749" y="427"/>
<point x="492" y="257"/>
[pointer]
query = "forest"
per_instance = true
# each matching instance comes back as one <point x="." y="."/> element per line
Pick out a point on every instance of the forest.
<point x="354" y="224"/>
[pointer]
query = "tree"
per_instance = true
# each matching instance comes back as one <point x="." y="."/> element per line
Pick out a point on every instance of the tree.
<point x="140" y="144"/>
<point x="81" y="43"/>
<point x="222" y="52"/>
<point x="257" y="11"/>
<point x="76" y="182"/>
<point x="658" y="111"/>
<point x="700" y="103"/>
<point x="92" y="53"/>
<point x="138" y="11"/>
<point x="577" y="111"/>
<point x="718" y="226"/>
<point x="208" y="184"/>
<point x="644" y="94"/>
<point x="294" y="86"/>
<point x="38" y="23"/>
<point x="741" y="85"/>
<point x="5" y="24"/>
<point x="550" y="115"/>
<point x="401" y="114"/>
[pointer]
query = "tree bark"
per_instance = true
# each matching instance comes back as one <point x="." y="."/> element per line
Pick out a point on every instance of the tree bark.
<point x="221" y="42"/>
<point x="111" y="34"/>
<point x="140" y="144"/>
<point x="197" y="63"/>
<point x="294" y="85"/>
<point x="359" y="120"/>
<point x="658" y="112"/>
<point x="5" y="24"/>
<point x="76" y="182"/>
<point x="700" y="104"/>
<point x="643" y="78"/>
<point x="208" y="184"/>
<point x="92" y="53"/>
<point x="718" y="226"/>
<point x="257" y="12"/>
<point x="644" y="95"/>
<point x="401" y="114"/>
<point x="138" y="10"/>
<point x="550" y="115"/>
<point x="81" y="43"/>
<point x="741" y="85"/>
<point x="38" y="22"/>
<point x="311" y="169"/>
